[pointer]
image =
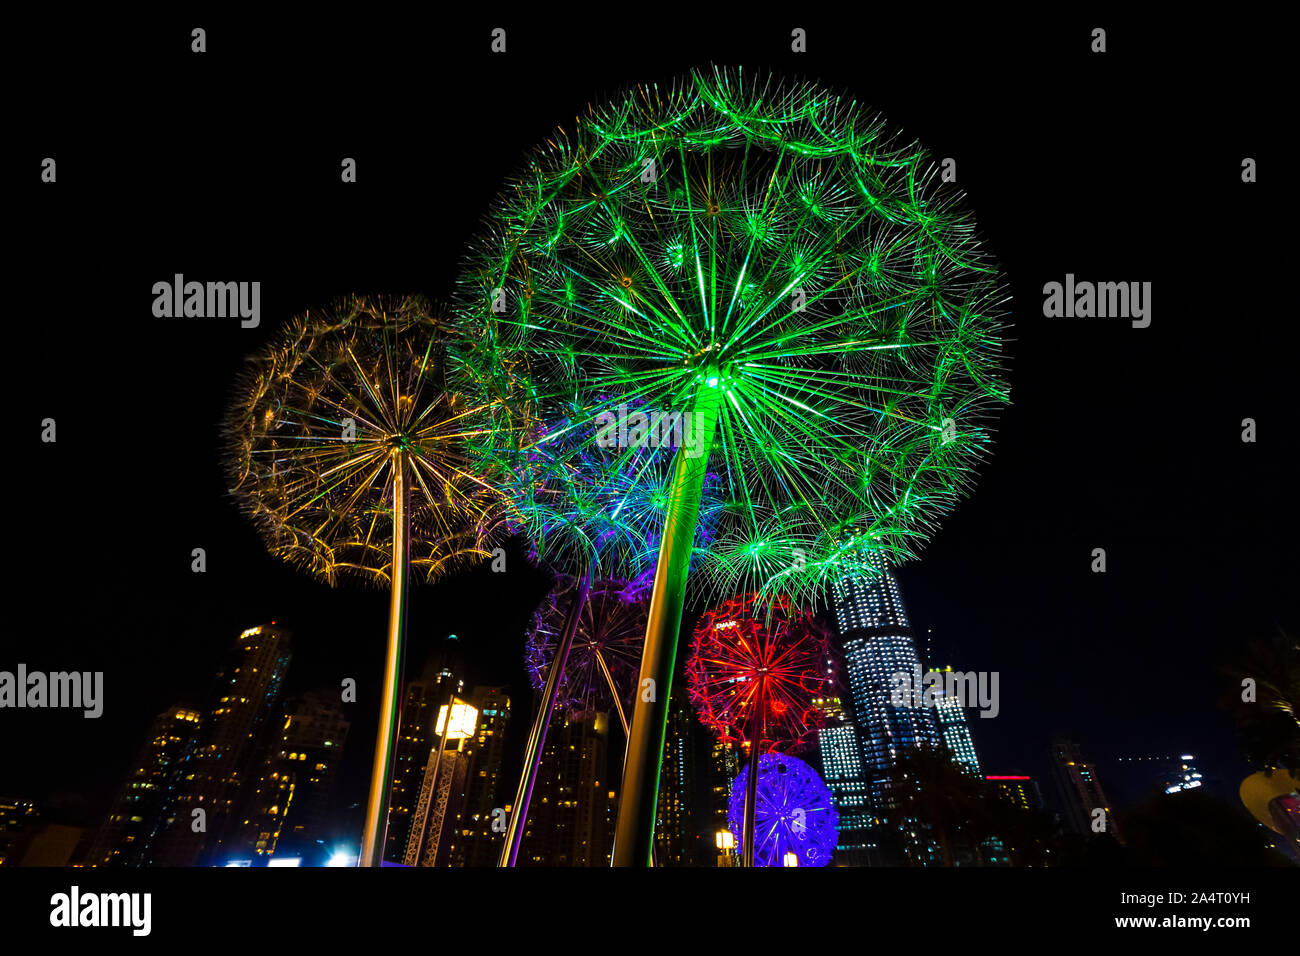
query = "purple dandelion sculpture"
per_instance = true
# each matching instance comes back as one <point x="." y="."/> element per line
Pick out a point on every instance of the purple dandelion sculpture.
<point x="794" y="819"/>
<point x="600" y="671"/>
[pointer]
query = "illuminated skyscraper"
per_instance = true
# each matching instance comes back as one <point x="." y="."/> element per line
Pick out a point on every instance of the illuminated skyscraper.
<point x="1080" y="790"/>
<point x="136" y="810"/>
<point x="572" y="810"/>
<point x="475" y="842"/>
<point x="288" y="812"/>
<point x="951" y="718"/>
<point x="878" y="645"/>
<point x="724" y="767"/>
<point x="676" y="837"/>
<point x="841" y="767"/>
<point x="209" y="777"/>
<point x="1019" y="790"/>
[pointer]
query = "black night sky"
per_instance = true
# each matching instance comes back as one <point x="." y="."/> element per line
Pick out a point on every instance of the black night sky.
<point x="226" y="167"/>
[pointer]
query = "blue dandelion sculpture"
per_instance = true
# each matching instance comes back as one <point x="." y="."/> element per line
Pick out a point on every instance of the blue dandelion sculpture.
<point x="794" y="819"/>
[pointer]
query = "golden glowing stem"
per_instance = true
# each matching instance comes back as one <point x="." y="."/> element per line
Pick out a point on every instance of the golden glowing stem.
<point x="613" y="691"/>
<point x="381" y="775"/>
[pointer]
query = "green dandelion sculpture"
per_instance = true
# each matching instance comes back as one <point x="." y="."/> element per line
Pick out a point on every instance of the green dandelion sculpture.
<point x="351" y="457"/>
<point x="770" y="262"/>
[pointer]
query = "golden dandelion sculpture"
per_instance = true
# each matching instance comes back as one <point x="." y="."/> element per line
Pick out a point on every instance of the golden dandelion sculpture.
<point x="348" y="453"/>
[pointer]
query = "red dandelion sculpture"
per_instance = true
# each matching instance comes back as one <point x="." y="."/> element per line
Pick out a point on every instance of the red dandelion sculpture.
<point x="753" y="674"/>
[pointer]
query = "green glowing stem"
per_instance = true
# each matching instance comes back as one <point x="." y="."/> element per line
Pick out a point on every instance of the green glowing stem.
<point x="638" y="807"/>
<point x="381" y="775"/>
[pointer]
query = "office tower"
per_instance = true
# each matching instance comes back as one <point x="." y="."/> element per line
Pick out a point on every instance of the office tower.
<point x="476" y="841"/>
<point x="210" y="776"/>
<point x="676" y="838"/>
<point x="138" y="806"/>
<point x="1080" y="791"/>
<point x="879" y="649"/>
<point x="1018" y="790"/>
<point x="570" y="817"/>
<point x="288" y="812"/>
<point x="950" y="715"/>
<point x="724" y="767"/>
<point x="840" y="763"/>
<point x="442" y="676"/>
<point x="879" y="652"/>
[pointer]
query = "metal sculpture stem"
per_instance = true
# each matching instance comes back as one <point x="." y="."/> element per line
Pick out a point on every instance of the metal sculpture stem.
<point x="537" y="737"/>
<point x="751" y="784"/>
<point x="622" y="719"/>
<point x="613" y="691"/>
<point x="634" y="836"/>
<point x="381" y="775"/>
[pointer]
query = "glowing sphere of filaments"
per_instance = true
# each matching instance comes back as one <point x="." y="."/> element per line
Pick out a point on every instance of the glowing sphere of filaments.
<point x="610" y="631"/>
<point x="777" y="246"/>
<point x="758" y="661"/>
<point x="311" y="434"/>
<point x="795" y="813"/>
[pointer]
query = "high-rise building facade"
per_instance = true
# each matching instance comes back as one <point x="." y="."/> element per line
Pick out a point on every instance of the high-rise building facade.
<point x="878" y="646"/>
<point x="677" y="839"/>
<point x="724" y="767"/>
<point x="1019" y="790"/>
<point x="1082" y="798"/>
<point x="210" y="777"/>
<point x="950" y="715"/>
<point x="288" y="812"/>
<point x="136" y="811"/>
<point x="572" y="810"/>
<point x="840" y="758"/>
